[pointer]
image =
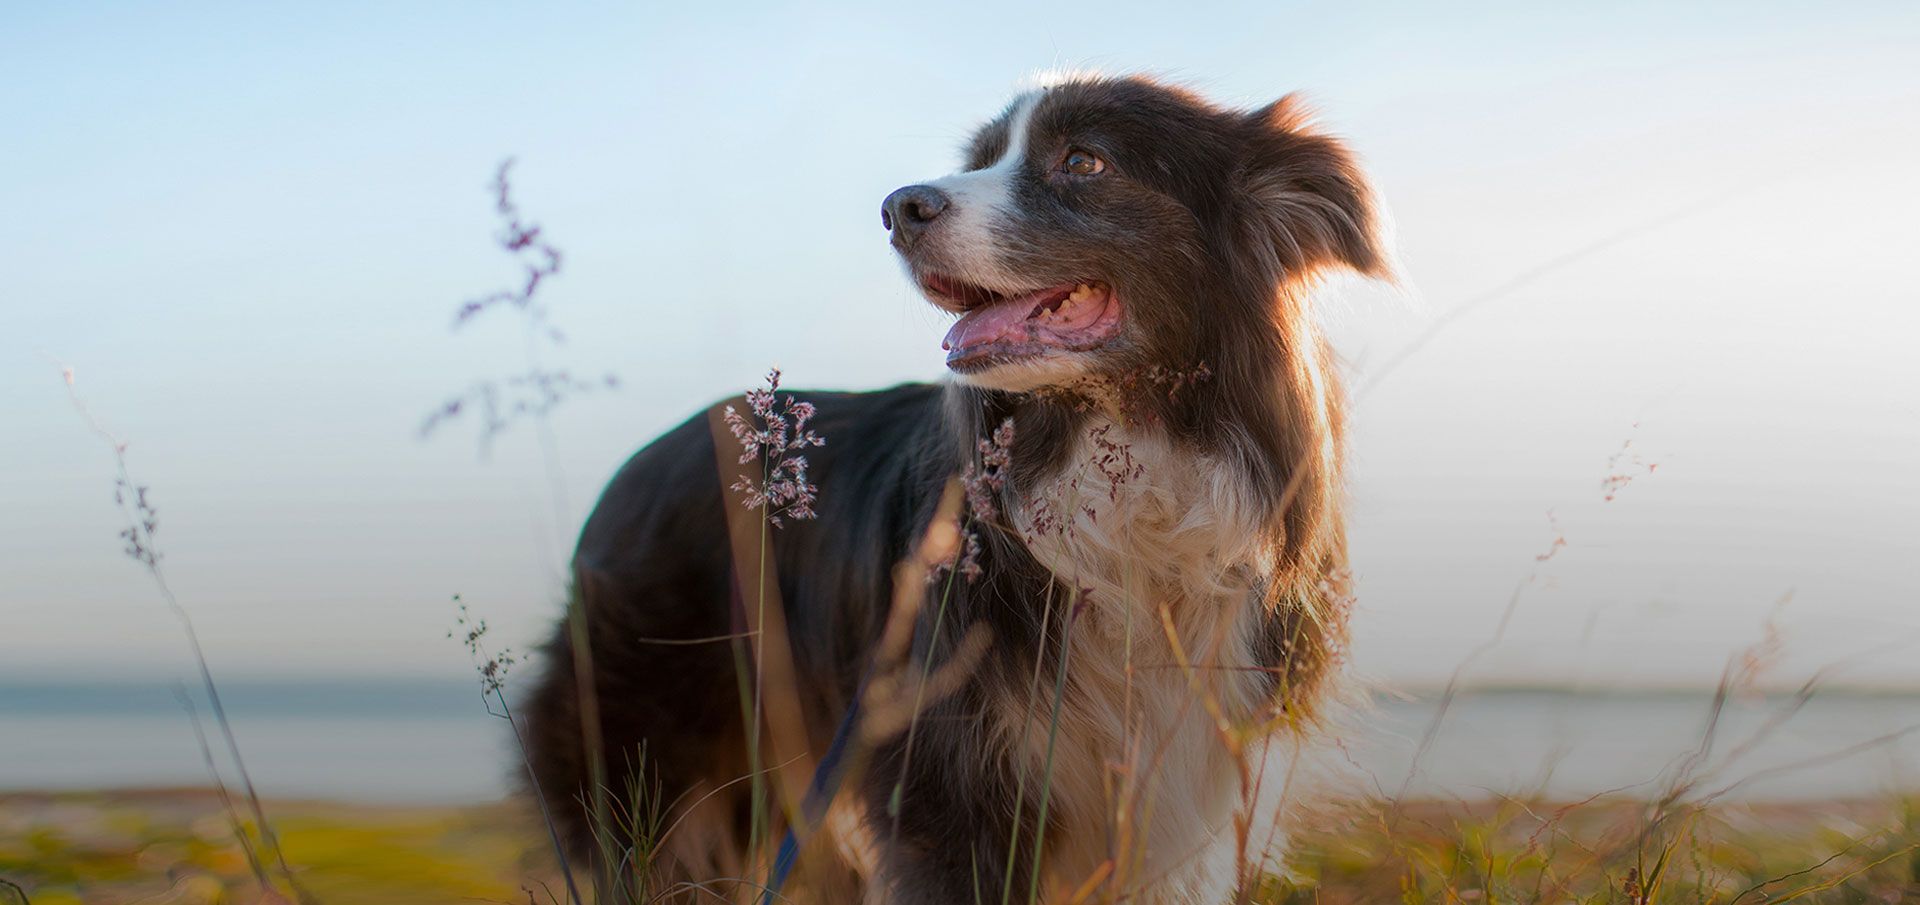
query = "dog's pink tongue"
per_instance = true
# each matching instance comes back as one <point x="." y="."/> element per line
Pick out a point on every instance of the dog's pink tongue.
<point x="990" y="324"/>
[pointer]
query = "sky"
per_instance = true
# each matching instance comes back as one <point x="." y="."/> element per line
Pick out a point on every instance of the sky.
<point x="1668" y="245"/>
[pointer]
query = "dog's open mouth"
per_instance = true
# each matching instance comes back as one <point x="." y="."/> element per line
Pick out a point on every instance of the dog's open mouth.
<point x="997" y="327"/>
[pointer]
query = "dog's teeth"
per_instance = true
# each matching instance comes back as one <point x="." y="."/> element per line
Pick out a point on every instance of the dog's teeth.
<point x="1080" y="293"/>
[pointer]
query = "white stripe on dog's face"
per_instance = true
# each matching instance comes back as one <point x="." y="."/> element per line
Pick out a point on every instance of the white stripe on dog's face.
<point x="981" y="201"/>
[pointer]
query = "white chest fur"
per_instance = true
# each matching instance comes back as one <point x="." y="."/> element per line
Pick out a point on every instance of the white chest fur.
<point x="1163" y="547"/>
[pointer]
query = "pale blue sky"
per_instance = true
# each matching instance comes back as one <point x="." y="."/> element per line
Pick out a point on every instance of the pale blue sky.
<point x="246" y="228"/>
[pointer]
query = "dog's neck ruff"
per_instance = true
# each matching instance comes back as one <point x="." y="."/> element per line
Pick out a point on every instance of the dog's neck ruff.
<point x="1133" y="517"/>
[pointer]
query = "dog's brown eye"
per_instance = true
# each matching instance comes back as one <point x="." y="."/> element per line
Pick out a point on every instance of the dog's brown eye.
<point x="1082" y="163"/>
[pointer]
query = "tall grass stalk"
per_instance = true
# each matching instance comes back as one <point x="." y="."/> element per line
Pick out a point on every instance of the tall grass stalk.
<point x="774" y="435"/>
<point x="1053" y="738"/>
<point x="227" y="807"/>
<point x="142" y="524"/>
<point x="919" y="699"/>
<point x="534" y="393"/>
<point x="492" y="669"/>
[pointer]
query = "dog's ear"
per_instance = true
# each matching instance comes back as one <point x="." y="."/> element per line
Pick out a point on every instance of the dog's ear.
<point x="1317" y="207"/>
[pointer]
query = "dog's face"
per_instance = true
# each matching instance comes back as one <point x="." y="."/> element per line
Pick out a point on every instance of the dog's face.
<point x="1103" y="225"/>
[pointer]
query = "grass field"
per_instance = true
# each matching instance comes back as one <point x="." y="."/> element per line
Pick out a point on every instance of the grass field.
<point x="177" y="847"/>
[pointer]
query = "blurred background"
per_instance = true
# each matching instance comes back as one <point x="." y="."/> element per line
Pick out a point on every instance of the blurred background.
<point x="1659" y="304"/>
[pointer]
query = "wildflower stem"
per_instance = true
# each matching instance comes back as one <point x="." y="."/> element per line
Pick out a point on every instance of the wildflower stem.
<point x="539" y="797"/>
<point x="142" y="522"/>
<point x="1053" y="737"/>
<point x="758" y="796"/>
<point x="239" y="826"/>
<point x="1026" y="724"/>
<point x="775" y="436"/>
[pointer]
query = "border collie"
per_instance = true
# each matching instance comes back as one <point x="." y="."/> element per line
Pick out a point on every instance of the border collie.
<point x="1151" y="424"/>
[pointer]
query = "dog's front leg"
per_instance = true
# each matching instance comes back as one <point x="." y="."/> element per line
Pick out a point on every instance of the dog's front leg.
<point x="946" y="838"/>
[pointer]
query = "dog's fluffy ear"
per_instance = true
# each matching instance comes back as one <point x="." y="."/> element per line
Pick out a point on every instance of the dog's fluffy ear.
<point x="1317" y="204"/>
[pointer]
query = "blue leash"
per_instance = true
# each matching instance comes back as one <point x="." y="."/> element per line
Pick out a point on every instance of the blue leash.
<point x="826" y="779"/>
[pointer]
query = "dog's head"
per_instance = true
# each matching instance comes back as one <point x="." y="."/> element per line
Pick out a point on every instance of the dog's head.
<point x="1107" y="225"/>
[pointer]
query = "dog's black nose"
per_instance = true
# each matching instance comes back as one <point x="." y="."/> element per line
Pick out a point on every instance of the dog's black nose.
<point x="909" y="211"/>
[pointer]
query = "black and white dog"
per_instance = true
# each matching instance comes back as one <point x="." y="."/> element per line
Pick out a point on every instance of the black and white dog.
<point x="1163" y="574"/>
